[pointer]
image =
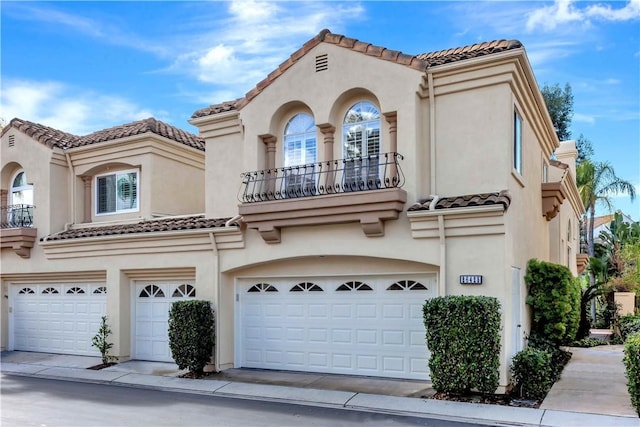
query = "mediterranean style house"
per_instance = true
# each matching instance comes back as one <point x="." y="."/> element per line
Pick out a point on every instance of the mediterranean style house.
<point x="317" y="213"/>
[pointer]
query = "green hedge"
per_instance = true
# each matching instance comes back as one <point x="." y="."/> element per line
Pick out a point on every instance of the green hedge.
<point x="554" y="296"/>
<point x="632" y="364"/>
<point x="532" y="373"/>
<point x="463" y="336"/>
<point x="629" y="324"/>
<point x="191" y="334"/>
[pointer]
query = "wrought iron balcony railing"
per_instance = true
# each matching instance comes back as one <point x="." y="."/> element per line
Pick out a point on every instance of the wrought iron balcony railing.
<point x="16" y="216"/>
<point x="374" y="172"/>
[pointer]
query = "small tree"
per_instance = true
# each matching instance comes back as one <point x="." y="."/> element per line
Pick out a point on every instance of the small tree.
<point x="100" y="341"/>
<point x="191" y="334"/>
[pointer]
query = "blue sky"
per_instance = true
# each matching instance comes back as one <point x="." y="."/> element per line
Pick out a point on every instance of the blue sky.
<point x="84" y="66"/>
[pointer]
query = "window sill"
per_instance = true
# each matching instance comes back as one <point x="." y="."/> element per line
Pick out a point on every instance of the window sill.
<point x="518" y="177"/>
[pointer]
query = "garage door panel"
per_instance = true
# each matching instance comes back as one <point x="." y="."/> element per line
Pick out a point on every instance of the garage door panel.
<point x="152" y="305"/>
<point x="378" y="331"/>
<point x="45" y="318"/>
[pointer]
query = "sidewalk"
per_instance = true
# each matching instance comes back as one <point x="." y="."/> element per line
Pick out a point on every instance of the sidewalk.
<point x="323" y="390"/>
<point x="593" y="382"/>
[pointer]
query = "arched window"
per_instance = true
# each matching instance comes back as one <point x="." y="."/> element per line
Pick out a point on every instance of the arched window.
<point x="21" y="192"/>
<point x="300" y="155"/>
<point x="300" y="141"/>
<point x="361" y="147"/>
<point x="20" y="211"/>
<point x="361" y="130"/>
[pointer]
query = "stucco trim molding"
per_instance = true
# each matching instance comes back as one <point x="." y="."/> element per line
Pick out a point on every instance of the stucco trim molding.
<point x="369" y="208"/>
<point x="145" y="243"/>
<point x="582" y="260"/>
<point x="21" y="240"/>
<point x="458" y="222"/>
<point x="553" y="194"/>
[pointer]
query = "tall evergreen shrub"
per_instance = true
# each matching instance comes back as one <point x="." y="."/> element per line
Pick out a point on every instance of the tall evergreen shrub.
<point x="191" y="334"/>
<point x="554" y="296"/>
<point x="632" y="365"/>
<point x="463" y="336"/>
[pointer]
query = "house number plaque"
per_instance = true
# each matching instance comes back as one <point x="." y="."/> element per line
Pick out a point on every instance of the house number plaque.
<point x="471" y="279"/>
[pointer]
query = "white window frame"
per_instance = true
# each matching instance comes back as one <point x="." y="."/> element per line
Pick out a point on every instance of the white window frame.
<point x="21" y="189"/>
<point x="116" y="174"/>
<point x="517" y="142"/>
<point x="305" y="138"/>
<point x="369" y="125"/>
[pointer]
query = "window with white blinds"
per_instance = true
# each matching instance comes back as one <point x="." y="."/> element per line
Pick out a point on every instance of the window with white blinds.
<point x="117" y="192"/>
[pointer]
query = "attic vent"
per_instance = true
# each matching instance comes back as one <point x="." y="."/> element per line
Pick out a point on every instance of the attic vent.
<point x="322" y="62"/>
<point x="12" y="140"/>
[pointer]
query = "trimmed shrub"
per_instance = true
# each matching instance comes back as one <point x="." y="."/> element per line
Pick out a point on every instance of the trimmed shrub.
<point x="554" y="296"/>
<point x="629" y="324"/>
<point x="463" y="336"/>
<point x="632" y="365"/>
<point x="191" y="334"/>
<point x="588" y="342"/>
<point x="532" y="373"/>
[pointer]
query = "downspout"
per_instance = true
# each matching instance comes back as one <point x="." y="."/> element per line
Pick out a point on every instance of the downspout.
<point x="216" y="264"/>
<point x="432" y="132"/>
<point x="72" y="188"/>
<point x="442" y="282"/>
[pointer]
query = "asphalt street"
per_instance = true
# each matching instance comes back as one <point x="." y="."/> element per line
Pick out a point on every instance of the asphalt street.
<point x="38" y="402"/>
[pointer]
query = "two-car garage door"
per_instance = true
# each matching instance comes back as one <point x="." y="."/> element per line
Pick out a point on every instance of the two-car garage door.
<point x="57" y="318"/>
<point x="359" y="326"/>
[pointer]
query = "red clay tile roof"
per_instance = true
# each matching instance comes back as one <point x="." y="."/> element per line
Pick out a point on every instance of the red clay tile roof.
<point x="467" y="52"/>
<point x="486" y="199"/>
<point x="216" y="109"/>
<point x="149" y="226"/>
<point x="44" y="134"/>
<point x="55" y="138"/>
<point x="418" y="62"/>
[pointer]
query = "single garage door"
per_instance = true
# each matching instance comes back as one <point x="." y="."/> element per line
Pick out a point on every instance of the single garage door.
<point x="360" y="326"/>
<point x="57" y="318"/>
<point x="152" y="304"/>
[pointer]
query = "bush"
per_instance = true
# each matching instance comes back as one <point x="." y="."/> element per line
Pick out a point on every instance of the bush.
<point x="532" y="373"/>
<point x="463" y="335"/>
<point x="554" y="296"/>
<point x="629" y="324"/>
<point x="632" y="364"/>
<point x="101" y="342"/>
<point x="588" y="342"/>
<point x="559" y="357"/>
<point x="191" y="334"/>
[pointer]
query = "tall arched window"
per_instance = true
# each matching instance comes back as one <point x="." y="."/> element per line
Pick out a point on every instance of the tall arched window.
<point x="21" y="201"/>
<point x="300" y="141"/>
<point x="361" y="130"/>
<point x="300" y="155"/>
<point x="361" y="147"/>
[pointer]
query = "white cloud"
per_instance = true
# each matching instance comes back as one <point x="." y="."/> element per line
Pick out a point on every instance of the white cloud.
<point x="566" y="13"/>
<point x="66" y="108"/>
<point x="584" y="118"/>
<point x="254" y="39"/>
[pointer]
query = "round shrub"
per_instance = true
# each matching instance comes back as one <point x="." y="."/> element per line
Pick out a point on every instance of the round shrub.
<point x="532" y="373"/>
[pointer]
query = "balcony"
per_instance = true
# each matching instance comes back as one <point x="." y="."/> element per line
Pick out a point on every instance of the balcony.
<point x="360" y="189"/>
<point x="16" y="229"/>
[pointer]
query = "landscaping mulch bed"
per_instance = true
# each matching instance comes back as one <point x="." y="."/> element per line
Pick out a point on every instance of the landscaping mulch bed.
<point x="491" y="399"/>
<point x="196" y="375"/>
<point x="102" y="366"/>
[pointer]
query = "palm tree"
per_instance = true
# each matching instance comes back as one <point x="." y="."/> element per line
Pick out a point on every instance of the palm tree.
<point x="597" y="183"/>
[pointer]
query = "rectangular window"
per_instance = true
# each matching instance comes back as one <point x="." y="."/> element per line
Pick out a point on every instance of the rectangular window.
<point x="117" y="193"/>
<point x="517" y="142"/>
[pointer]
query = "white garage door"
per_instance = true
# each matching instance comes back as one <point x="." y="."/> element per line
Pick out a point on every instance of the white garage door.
<point x="56" y="318"/>
<point x="153" y="302"/>
<point x="365" y="326"/>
